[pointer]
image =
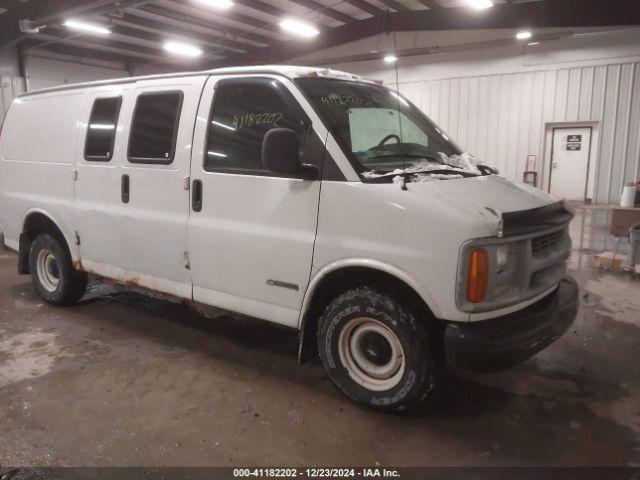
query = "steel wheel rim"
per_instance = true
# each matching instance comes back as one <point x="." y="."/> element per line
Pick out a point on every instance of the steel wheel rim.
<point x="48" y="270"/>
<point x="371" y="353"/>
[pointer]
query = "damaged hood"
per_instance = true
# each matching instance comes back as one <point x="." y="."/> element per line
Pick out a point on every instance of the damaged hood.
<point x="487" y="197"/>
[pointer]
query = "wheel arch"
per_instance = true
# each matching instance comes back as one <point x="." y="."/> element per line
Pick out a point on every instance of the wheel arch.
<point x="333" y="279"/>
<point x="37" y="221"/>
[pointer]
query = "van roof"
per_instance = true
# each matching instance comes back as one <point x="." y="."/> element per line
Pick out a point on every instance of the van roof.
<point x="288" y="71"/>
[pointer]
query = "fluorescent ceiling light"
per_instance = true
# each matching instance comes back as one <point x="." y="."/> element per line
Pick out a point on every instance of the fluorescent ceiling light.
<point x="524" y="35"/>
<point x="87" y="27"/>
<point x="101" y="126"/>
<point x="217" y="3"/>
<point x="531" y="44"/>
<point x="183" y="49"/>
<point x="299" y="28"/>
<point x="390" y="58"/>
<point x="479" y="4"/>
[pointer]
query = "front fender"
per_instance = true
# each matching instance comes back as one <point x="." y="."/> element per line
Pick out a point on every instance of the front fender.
<point x="320" y="274"/>
<point x="305" y="329"/>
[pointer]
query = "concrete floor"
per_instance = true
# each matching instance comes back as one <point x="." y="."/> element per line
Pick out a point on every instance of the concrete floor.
<point x="122" y="379"/>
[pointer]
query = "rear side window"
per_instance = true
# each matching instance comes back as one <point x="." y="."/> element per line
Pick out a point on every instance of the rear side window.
<point x="154" y="127"/>
<point x="243" y="112"/>
<point x="101" y="132"/>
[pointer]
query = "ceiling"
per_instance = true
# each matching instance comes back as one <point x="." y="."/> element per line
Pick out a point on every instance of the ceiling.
<point x="249" y="32"/>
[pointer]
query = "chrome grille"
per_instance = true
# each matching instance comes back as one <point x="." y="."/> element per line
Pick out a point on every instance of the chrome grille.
<point x="545" y="242"/>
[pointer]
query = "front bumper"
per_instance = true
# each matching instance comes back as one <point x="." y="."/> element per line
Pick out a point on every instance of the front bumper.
<point x="502" y="342"/>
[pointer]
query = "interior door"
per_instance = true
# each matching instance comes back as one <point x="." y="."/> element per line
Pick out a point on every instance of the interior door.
<point x="251" y="232"/>
<point x="570" y="162"/>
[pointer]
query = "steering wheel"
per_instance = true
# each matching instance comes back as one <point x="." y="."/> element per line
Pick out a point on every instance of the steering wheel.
<point x="389" y="137"/>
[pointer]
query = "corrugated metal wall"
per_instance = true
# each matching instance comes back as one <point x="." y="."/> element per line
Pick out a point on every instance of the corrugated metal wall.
<point x="44" y="72"/>
<point x="502" y="118"/>
<point x="10" y="87"/>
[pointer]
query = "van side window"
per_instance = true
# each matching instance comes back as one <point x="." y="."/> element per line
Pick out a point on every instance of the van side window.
<point x="154" y="127"/>
<point x="101" y="132"/>
<point x="243" y="111"/>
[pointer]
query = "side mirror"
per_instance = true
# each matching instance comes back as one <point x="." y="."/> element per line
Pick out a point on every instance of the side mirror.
<point x="280" y="154"/>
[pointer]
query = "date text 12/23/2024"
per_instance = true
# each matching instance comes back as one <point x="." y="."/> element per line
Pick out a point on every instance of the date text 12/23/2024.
<point x="315" y="473"/>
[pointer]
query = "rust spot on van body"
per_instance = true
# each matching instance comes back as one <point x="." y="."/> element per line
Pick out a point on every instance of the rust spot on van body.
<point x="131" y="282"/>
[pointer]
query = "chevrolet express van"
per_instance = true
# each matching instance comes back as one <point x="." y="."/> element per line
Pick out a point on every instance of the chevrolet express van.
<point x="310" y="198"/>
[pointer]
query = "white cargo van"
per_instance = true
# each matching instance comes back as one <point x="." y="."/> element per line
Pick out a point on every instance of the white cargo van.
<point x="310" y="198"/>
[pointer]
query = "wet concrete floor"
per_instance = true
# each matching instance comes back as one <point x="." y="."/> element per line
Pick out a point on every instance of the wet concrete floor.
<point x="123" y="379"/>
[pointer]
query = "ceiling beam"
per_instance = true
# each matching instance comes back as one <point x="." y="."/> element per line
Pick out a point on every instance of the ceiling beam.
<point x="208" y="44"/>
<point x="41" y="12"/>
<point x="430" y="4"/>
<point x="197" y="11"/>
<point x="556" y="13"/>
<point x="263" y="7"/>
<point x="9" y="21"/>
<point x="148" y="29"/>
<point x="97" y="7"/>
<point x="322" y="9"/>
<point x="433" y="49"/>
<point x="253" y="35"/>
<point x="541" y="14"/>
<point x="112" y="46"/>
<point x="366" y="7"/>
<point x="77" y="52"/>
<point x="396" y="5"/>
<point x="142" y="42"/>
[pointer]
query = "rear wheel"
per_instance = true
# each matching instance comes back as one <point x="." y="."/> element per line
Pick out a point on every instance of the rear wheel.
<point x="375" y="351"/>
<point x="52" y="272"/>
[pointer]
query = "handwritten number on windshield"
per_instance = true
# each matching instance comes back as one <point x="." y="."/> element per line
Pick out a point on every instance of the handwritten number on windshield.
<point x="253" y="119"/>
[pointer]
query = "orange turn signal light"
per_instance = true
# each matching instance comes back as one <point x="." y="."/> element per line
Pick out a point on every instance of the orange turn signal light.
<point x="478" y="275"/>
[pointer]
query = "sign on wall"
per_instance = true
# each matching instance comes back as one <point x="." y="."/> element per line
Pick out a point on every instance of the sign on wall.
<point x="573" y="143"/>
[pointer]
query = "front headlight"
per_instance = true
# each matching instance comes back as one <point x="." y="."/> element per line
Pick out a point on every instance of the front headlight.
<point x="502" y="258"/>
<point x="490" y="271"/>
<point x="478" y="275"/>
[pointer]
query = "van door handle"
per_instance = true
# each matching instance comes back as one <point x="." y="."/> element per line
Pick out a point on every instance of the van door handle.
<point x="124" y="188"/>
<point x="196" y="195"/>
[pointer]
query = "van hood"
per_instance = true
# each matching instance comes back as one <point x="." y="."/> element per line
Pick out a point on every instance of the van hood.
<point x="487" y="197"/>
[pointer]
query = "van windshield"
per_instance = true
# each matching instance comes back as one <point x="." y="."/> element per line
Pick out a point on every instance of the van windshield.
<point x="379" y="129"/>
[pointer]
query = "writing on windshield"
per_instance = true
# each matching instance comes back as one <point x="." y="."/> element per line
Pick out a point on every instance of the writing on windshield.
<point x="379" y="130"/>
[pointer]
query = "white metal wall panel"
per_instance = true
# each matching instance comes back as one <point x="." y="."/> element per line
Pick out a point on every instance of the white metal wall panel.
<point x="502" y="117"/>
<point x="44" y="72"/>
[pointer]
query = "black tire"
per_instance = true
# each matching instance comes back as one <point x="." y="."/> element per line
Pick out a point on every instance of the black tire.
<point x="410" y="383"/>
<point x="56" y="279"/>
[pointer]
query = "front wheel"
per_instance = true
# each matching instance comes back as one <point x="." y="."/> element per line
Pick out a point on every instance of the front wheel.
<point x="375" y="351"/>
<point x="52" y="272"/>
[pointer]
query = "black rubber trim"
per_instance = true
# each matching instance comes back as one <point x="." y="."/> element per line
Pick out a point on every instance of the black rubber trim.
<point x="24" y="245"/>
<point x="500" y="343"/>
<point x="102" y="158"/>
<point x="176" y="129"/>
<point x="534" y="220"/>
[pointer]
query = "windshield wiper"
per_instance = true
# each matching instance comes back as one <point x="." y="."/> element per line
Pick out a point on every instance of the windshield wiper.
<point x="439" y="161"/>
<point x="440" y="171"/>
<point x="409" y="155"/>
